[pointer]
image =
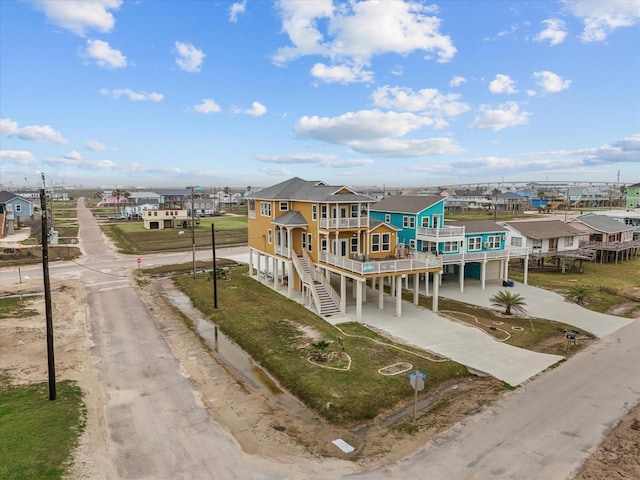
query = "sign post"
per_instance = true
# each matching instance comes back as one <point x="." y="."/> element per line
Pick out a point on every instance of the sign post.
<point x="139" y="260"/>
<point x="416" y="379"/>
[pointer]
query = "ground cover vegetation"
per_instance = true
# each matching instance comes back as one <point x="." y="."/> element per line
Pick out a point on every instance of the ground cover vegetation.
<point x="130" y="237"/>
<point x="282" y="336"/>
<point x="37" y="435"/>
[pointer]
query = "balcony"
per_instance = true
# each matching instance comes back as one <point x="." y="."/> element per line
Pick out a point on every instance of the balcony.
<point x="343" y="223"/>
<point x="469" y="257"/>
<point x="444" y="234"/>
<point x="387" y="266"/>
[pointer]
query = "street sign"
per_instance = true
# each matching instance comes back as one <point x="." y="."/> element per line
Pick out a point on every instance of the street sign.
<point x="417" y="383"/>
<point x="139" y="261"/>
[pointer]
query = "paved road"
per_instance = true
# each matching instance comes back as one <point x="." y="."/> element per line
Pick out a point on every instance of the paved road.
<point x="158" y="428"/>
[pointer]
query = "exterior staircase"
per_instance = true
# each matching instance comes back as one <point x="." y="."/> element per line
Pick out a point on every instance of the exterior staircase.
<point x="326" y="299"/>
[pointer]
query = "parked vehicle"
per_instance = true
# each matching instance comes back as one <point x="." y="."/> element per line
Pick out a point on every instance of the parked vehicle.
<point x="117" y="217"/>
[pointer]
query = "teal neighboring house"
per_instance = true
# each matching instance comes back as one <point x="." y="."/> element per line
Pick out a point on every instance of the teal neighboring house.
<point x="633" y="196"/>
<point x="474" y="249"/>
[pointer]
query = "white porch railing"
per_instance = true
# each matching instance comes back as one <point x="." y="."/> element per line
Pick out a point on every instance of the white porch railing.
<point x="452" y="258"/>
<point x="444" y="232"/>
<point x="346" y="222"/>
<point x="381" y="266"/>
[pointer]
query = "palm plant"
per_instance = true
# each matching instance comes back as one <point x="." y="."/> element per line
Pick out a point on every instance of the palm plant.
<point x="511" y="302"/>
<point x="580" y="294"/>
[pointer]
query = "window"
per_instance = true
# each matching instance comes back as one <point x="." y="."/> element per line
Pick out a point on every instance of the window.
<point x="284" y="206"/>
<point x="323" y="211"/>
<point x="323" y="244"/>
<point x="537" y="243"/>
<point x="387" y="218"/>
<point x="386" y="242"/>
<point x="354" y="244"/>
<point x="309" y="237"/>
<point x="516" y="241"/>
<point x="568" y="241"/>
<point x="424" y="222"/>
<point x="18" y="208"/>
<point x="265" y="209"/>
<point x="450" y="247"/>
<point x="412" y="244"/>
<point x="354" y="210"/>
<point x="375" y="242"/>
<point x="304" y="241"/>
<point x="408" y="222"/>
<point x="493" y="241"/>
<point x="475" y="243"/>
<point x="314" y="212"/>
<point x="269" y="236"/>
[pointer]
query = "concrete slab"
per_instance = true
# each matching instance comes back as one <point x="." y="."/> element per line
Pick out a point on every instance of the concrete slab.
<point x="540" y="303"/>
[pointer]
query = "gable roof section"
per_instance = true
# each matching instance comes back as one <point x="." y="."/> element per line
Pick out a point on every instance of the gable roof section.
<point x="375" y="224"/>
<point x="478" y="226"/>
<point x="602" y="223"/>
<point x="292" y="218"/>
<point x="544" y="229"/>
<point x="298" y="189"/>
<point x="406" y="203"/>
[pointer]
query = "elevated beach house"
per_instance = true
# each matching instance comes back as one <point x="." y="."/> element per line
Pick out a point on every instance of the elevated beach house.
<point x="319" y="241"/>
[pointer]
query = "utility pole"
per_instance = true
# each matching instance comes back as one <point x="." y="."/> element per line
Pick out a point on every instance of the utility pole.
<point x="47" y="294"/>
<point x="215" y="273"/>
<point x="193" y="231"/>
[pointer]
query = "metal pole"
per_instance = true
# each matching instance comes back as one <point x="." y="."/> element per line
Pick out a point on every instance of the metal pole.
<point x="193" y="232"/>
<point x="215" y="274"/>
<point x="47" y="297"/>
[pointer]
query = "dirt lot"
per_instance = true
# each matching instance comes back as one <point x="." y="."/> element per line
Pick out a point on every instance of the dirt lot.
<point x="259" y="425"/>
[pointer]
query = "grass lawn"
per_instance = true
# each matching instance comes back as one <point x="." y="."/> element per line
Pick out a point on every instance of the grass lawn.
<point x="37" y="436"/>
<point x="133" y="238"/>
<point x="279" y="335"/>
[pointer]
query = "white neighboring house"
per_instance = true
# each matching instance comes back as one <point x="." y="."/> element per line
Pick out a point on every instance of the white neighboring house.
<point x="137" y="211"/>
<point x="543" y="237"/>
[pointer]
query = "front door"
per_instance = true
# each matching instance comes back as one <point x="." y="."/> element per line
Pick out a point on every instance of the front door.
<point x="340" y="248"/>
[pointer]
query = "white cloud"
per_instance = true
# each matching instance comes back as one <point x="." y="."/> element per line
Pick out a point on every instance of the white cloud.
<point x="256" y="110"/>
<point x="133" y="96"/>
<point x="625" y="150"/>
<point x="427" y="100"/>
<point x="341" y="73"/>
<point x="600" y="19"/>
<point x="189" y="57"/>
<point x="555" y="32"/>
<point x="34" y="133"/>
<point x="95" y="146"/>
<point x="297" y="158"/>
<point x="207" y="106"/>
<point x="276" y="171"/>
<point x="20" y="157"/>
<point x="80" y="17"/>
<point x="551" y="82"/>
<point x="104" y="55"/>
<point x="375" y="132"/>
<point x="73" y="155"/>
<point x="507" y="115"/>
<point x="236" y="9"/>
<point x="354" y="32"/>
<point x="457" y="80"/>
<point x="502" y="84"/>
<point x="73" y="161"/>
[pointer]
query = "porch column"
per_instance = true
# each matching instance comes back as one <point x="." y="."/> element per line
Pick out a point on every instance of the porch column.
<point x="426" y="284"/>
<point x="483" y="273"/>
<point x="358" y="288"/>
<point x="290" y="279"/>
<point x="381" y="294"/>
<point x="399" y="297"/>
<point x="436" y="289"/>
<point x="275" y="273"/>
<point x="416" y="288"/>
<point x="251" y="262"/>
<point x="506" y="269"/>
<point x="343" y="294"/>
<point x="393" y="286"/>
<point x="461" y="276"/>
<point x="526" y="270"/>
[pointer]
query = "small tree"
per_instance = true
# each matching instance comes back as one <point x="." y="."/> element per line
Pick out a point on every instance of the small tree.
<point x="580" y="294"/>
<point x="511" y="302"/>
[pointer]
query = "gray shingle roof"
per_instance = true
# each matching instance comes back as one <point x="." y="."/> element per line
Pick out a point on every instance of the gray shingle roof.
<point x="292" y="218"/>
<point x="311" y="191"/>
<point x="544" y="229"/>
<point x="406" y="203"/>
<point x="602" y="223"/>
<point x="477" y="226"/>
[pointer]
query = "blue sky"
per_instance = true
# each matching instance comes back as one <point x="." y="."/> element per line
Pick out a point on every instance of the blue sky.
<point x="115" y="93"/>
